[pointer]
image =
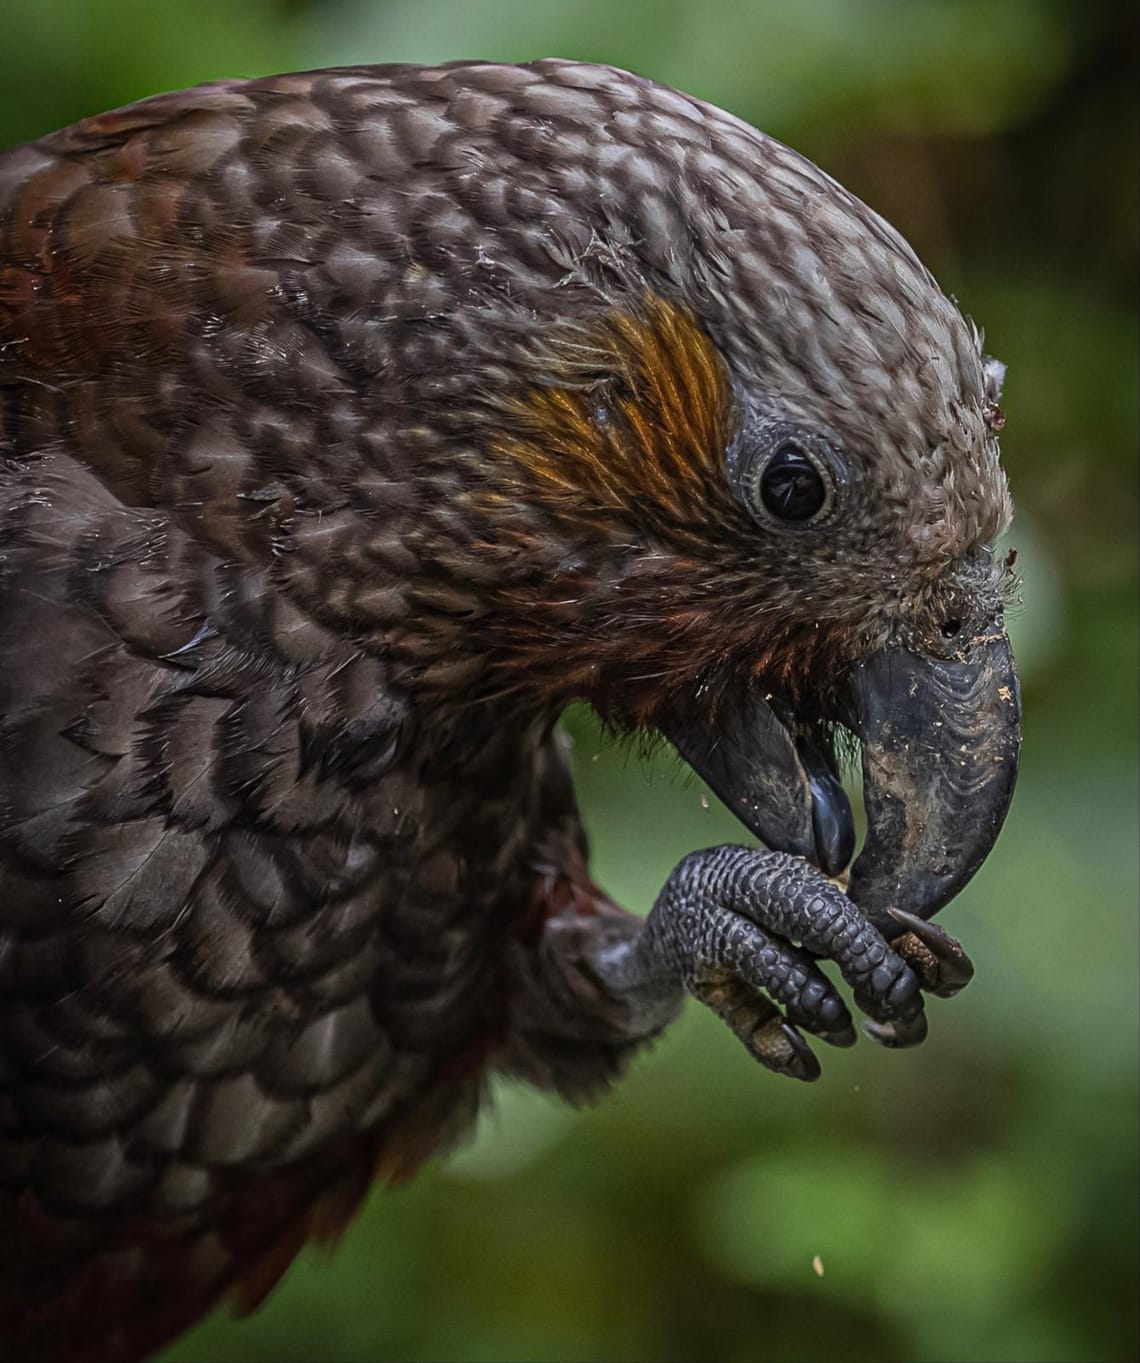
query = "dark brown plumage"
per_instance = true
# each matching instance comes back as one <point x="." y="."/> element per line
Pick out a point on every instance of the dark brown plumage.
<point x="352" y="423"/>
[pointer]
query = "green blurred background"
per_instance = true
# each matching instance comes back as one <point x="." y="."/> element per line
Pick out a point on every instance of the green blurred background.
<point x="972" y="1200"/>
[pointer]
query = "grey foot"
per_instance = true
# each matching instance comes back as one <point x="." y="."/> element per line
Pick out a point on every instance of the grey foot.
<point x="744" y="930"/>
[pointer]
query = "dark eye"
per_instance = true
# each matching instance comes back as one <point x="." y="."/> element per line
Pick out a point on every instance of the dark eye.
<point x="791" y="486"/>
<point x="788" y="477"/>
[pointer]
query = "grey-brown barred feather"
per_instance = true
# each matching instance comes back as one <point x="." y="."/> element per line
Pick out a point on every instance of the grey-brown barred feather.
<point x="352" y="422"/>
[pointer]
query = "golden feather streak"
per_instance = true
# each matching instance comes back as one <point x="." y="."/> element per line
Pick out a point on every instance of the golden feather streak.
<point x="636" y="408"/>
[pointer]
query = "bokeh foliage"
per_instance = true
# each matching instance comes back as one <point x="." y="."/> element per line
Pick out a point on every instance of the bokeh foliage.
<point x="976" y="1198"/>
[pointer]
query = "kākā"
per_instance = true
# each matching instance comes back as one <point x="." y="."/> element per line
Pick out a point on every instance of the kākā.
<point x="353" y="423"/>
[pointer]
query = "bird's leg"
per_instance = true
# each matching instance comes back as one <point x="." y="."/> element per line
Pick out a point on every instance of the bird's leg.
<point x="740" y="929"/>
<point x="572" y="1029"/>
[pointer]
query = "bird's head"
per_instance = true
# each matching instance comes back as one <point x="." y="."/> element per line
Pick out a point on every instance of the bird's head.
<point x="737" y="480"/>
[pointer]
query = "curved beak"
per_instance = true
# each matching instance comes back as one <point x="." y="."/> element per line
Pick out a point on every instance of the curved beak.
<point x="941" y="740"/>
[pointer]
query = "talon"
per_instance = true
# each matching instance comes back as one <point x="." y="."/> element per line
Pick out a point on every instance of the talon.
<point x="939" y="959"/>
<point x="843" y="1037"/>
<point x="899" y="1034"/>
<point x="778" y="1045"/>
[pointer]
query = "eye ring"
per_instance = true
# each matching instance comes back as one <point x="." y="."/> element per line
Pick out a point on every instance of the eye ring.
<point x="788" y="481"/>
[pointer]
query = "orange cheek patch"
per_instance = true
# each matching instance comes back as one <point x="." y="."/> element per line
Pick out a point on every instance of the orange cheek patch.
<point x="635" y="408"/>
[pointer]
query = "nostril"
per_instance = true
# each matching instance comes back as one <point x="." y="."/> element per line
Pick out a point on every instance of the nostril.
<point x="951" y="627"/>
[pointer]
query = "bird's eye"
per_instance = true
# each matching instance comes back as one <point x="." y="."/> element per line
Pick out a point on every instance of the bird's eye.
<point x="791" y="485"/>
<point x="785" y="474"/>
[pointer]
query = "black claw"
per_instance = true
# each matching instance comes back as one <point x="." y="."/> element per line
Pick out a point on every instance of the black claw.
<point x="897" y="1035"/>
<point x="780" y="1048"/>
<point x="939" y="959"/>
<point x="803" y="1064"/>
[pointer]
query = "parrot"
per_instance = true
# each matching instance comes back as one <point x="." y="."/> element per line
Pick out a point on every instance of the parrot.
<point x="353" y="424"/>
